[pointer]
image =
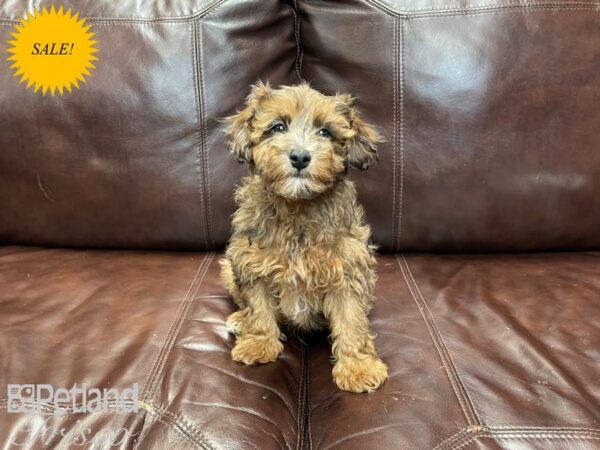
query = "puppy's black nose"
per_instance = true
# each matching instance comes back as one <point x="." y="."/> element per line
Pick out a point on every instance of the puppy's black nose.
<point x="300" y="159"/>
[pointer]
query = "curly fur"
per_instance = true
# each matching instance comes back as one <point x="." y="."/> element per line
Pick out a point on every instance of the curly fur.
<point x="300" y="251"/>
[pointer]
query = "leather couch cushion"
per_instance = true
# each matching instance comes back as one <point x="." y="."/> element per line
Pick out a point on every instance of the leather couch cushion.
<point x="490" y="114"/>
<point x="484" y="352"/>
<point x="136" y="158"/>
<point x="111" y="319"/>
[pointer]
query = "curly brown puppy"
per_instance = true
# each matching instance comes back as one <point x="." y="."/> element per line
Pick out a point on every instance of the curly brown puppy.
<point x="300" y="251"/>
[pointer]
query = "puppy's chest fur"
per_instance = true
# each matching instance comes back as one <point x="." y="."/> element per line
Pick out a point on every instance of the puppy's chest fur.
<point x="302" y="250"/>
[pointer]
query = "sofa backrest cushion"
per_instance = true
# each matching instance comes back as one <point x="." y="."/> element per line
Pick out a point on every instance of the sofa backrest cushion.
<point x="490" y="110"/>
<point x="136" y="157"/>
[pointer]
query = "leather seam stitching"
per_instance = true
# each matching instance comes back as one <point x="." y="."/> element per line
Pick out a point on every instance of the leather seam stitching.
<point x="481" y="8"/>
<point x="176" y="328"/>
<point x="456" y="437"/>
<point x="204" y="147"/>
<point x="177" y="430"/>
<point x="198" y="137"/>
<point x="453" y="383"/>
<point x="502" y="428"/>
<point x="300" y="411"/>
<point x="396" y="131"/>
<point x="178" y="423"/>
<point x="417" y="13"/>
<point x="298" y="36"/>
<point x="158" y="355"/>
<point x="308" y="409"/>
<point x="198" y="127"/>
<point x="449" y="367"/>
<point x="147" y="391"/>
<point x="402" y="131"/>
<point x="471" y="403"/>
<point x="304" y="439"/>
<point x="504" y="10"/>
<point x="467" y="435"/>
<point x="190" y="300"/>
<point x="148" y="24"/>
<point x="146" y="427"/>
<point x="195" y="15"/>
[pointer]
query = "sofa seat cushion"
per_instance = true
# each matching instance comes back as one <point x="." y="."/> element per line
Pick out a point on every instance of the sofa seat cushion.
<point x="484" y="352"/>
<point x="113" y="319"/>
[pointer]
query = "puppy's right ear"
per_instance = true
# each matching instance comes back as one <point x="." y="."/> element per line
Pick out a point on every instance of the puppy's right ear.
<point x="240" y="124"/>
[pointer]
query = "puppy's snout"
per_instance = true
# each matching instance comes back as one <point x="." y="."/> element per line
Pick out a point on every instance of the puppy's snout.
<point x="300" y="159"/>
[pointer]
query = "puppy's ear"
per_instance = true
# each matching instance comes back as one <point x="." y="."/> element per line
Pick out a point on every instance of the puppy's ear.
<point x="362" y="148"/>
<point x="240" y="129"/>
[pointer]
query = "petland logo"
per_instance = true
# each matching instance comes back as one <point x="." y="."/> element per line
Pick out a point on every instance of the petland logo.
<point x="45" y="399"/>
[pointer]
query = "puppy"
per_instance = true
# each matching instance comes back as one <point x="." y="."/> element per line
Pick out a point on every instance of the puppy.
<point x="300" y="252"/>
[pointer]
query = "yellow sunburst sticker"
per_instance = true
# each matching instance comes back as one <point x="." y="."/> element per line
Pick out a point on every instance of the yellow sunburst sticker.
<point x="52" y="50"/>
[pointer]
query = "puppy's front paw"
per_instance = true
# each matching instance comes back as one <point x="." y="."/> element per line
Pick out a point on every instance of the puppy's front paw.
<point x="253" y="349"/>
<point x="360" y="375"/>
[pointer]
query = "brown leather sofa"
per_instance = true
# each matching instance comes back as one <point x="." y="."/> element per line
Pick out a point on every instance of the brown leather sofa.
<point x="115" y="203"/>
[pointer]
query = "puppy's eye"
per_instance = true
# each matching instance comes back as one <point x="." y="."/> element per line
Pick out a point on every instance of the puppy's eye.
<point x="278" y="128"/>
<point x="324" y="132"/>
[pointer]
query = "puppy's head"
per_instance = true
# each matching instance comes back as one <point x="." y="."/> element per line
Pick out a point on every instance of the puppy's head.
<point x="300" y="141"/>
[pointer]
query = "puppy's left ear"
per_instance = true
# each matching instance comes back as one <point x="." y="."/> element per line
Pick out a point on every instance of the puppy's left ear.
<point x="362" y="150"/>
